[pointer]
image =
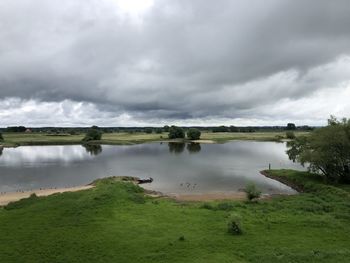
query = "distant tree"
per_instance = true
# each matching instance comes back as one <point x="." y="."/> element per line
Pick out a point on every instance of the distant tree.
<point x="166" y="128"/>
<point x="148" y="130"/>
<point x="221" y="129"/>
<point x="326" y="150"/>
<point x="176" y="133"/>
<point x="234" y="129"/>
<point x="16" y="129"/>
<point x="193" y="134"/>
<point x="93" y="134"/>
<point x="159" y="130"/>
<point x="291" y="126"/>
<point x="1" y="138"/>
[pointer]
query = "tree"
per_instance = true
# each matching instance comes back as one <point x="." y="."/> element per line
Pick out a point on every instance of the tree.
<point x="176" y="133"/>
<point x="166" y="128"/>
<point x="1" y="138"/>
<point x="193" y="134"/>
<point x="16" y="129"/>
<point x="93" y="134"/>
<point x="148" y="130"/>
<point x="291" y="127"/>
<point x="326" y="150"/>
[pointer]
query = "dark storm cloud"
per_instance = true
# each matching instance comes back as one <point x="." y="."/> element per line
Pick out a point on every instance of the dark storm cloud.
<point x="183" y="60"/>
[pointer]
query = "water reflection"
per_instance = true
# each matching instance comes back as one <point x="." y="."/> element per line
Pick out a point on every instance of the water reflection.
<point x="176" y="147"/>
<point x="179" y="147"/>
<point x="174" y="166"/>
<point x="194" y="147"/>
<point x="93" y="149"/>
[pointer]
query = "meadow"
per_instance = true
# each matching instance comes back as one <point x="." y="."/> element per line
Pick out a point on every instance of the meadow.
<point x="122" y="138"/>
<point x="117" y="222"/>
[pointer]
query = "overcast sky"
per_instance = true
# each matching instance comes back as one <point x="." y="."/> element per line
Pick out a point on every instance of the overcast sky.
<point x="185" y="62"/>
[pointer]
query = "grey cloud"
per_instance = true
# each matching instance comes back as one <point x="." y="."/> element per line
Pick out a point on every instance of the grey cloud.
<point x="186" y="60"/>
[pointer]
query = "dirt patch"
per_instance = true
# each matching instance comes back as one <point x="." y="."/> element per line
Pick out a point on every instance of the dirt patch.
<point x="6" y="198"/>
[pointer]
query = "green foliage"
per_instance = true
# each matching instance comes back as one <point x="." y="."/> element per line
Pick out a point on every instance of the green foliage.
<point x="252" y="191"/>
<point x="221" y="129"/>
<point x="176" y="133"/>
<point x="16" y="129"/>
<point x="159" y="130"/>
<point x="148" y="130"/>
<point x="108" y="224"/>
<point x="94" y="134"/>
<point x="326" y="150"/>
<point x="166" y="128"/>
<point x="290" y="135"/>
<point x="291" y="126"/>
<point x="193" y="134"/>
<point x="234" y="226"/>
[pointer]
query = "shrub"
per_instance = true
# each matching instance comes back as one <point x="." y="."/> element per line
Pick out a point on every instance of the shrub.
<point x="234" y="226"/>
<point x="290" y="135"/>
<point x="176" y="133"/>
<point x="252" y="191"/>
<point x="193" y="134"/>
<point x="182" y="238"/>
<point x="93" y="134"/>
<point x="148" y="130"/>
<point x="225" y="206"/>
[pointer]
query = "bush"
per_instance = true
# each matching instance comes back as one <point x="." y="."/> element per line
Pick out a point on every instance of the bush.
<point x="252" y="191"/>
<point x="193" y="134"/>
<point x="225" y="206"/>
<point x="94" y="134"/>
<point x="290" y="135"/>
<point x="176" y="133"/>
<point x="234" y="226"/>
<point x="148" y="130"/>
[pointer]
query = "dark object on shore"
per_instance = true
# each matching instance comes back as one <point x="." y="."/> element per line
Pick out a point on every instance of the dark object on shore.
<point x="145" y="181"/>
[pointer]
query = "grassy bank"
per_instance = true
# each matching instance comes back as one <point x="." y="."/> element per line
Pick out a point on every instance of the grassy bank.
<point x="115" y="222"/>
<point x="17" y="139"/>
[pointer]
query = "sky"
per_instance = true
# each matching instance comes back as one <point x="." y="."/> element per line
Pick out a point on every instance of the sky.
<point x="181" y="62"/>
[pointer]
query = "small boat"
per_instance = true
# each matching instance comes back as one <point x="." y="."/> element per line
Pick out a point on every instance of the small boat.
<point x="145" y="181"/>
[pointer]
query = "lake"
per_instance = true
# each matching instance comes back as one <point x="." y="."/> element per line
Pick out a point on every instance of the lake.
<point x="175" y="167"/>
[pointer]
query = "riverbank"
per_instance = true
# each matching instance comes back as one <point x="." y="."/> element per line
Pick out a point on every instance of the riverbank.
<point x="111" y="221"/>
<point x="8" y="197"/>
<point x="22" y="139"/>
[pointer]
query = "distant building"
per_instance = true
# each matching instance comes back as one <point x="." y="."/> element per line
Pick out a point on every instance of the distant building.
<point x="28" y="130"/>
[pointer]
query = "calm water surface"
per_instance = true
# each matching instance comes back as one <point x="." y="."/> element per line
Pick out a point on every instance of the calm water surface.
<point x="175" y="167"/>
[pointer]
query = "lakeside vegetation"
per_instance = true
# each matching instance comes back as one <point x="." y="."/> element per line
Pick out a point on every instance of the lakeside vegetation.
<point x="116" y="222"/>
<point x="122" y="138"/>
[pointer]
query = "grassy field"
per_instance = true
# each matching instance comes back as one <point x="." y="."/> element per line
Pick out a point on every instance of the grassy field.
<point x="115" y="222"/>
<point x="16" y="139"/>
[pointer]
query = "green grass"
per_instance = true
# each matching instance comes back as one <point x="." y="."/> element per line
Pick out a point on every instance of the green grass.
<point x="17" y="139"/>
<point x="115" y="222"/>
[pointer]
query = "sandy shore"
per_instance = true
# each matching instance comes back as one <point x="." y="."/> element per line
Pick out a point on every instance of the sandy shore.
<point x="6" y="198"/>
